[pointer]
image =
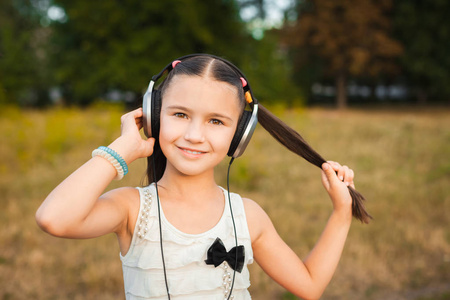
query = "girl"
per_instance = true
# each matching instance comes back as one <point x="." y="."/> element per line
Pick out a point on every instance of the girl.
<point x="182" y="236"/>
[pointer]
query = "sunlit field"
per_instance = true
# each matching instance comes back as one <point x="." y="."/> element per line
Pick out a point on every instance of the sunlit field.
<point x="402" y="166"/>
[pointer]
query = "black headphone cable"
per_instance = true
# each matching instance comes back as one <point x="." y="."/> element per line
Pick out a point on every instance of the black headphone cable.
<point x="160" y="228"/>
<point x="234" y="226"/>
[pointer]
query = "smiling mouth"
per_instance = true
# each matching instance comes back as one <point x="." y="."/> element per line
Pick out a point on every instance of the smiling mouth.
<point x="192" y="151"/>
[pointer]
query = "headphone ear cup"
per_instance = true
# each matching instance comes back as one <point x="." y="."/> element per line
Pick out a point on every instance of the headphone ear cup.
<point x="242" y="125"/>
<point x="156" y="113"/>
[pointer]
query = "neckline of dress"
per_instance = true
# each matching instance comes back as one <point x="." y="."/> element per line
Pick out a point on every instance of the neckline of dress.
<point x="191" y="235"/>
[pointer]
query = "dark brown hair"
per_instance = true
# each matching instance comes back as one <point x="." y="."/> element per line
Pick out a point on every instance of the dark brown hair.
<point x="220" y="71"/>
<point x="293" y="141"/>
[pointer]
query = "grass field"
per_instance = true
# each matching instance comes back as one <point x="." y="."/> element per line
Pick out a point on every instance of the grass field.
<point x="402" y="165"/>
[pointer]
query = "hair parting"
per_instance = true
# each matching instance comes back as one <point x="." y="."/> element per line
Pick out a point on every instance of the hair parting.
<point x="293" y="141"/>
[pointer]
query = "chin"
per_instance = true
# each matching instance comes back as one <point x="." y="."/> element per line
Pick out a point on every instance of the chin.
<point x="192" y="172"/>
<point x="194" y="168"/>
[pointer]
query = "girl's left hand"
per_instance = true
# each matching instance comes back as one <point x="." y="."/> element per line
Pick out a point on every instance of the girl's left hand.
<point x="335" y="179"/>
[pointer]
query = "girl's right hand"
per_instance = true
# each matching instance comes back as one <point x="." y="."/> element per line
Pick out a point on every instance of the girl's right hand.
<point x="73" y="212"/>
<point x="130" y="145"/>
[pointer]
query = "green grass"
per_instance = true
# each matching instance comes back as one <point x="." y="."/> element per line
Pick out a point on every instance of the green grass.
<point x="401" y="160"/>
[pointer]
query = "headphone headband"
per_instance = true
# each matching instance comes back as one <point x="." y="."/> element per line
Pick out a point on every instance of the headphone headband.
<point x="169" y="67"/>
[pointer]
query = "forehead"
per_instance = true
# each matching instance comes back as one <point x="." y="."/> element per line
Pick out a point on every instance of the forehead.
<point x="201" y="91"/>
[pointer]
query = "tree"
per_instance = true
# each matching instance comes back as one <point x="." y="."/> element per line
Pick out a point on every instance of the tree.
<point x="346" y="38"/>
<point x="424" y="29"/>
<point x="270" y="71"/>
<point x="23" y="78"/>
<point x="107" y="45"/>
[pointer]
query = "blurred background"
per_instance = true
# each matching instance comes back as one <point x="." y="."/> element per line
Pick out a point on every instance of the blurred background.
<point x="366" y="82"/>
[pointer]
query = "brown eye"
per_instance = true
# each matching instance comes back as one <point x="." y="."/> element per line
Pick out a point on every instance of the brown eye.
<point x="216" y="122"/>
<point x="180" y="115"/>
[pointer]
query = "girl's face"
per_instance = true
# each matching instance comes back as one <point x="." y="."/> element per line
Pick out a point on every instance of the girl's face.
<point x="198" y="120"/>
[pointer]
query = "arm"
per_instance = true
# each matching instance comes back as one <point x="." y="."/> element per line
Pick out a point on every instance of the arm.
<point x="76" y="209"/>
<point x="309" y="278"/>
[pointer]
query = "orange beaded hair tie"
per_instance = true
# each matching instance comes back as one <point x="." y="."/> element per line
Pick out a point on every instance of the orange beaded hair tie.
<point x="248" y="97"/>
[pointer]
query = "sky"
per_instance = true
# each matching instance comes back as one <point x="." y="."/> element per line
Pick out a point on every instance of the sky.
<point x="274" y="16"/>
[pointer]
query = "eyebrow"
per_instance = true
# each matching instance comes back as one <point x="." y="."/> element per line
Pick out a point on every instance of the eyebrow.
<point x="184" y="108"/>
<point x="216" y="115"/>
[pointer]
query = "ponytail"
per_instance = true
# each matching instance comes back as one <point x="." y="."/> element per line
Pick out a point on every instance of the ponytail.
<point x="289" y="138"/>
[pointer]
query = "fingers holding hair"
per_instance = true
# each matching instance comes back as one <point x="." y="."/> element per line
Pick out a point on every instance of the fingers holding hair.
<point x="344" y="173"/>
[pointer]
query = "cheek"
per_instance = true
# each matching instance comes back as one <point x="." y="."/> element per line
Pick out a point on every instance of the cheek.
<point x="222" y="140"/>
<point x="168" y="130"/>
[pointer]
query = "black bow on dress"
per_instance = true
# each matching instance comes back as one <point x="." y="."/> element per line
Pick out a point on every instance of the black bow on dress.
<point x="217" y="254"/>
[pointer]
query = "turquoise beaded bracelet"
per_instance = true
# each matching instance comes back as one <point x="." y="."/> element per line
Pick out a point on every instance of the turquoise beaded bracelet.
<point x="117" y="157"/>
<point x="112" y="160"/>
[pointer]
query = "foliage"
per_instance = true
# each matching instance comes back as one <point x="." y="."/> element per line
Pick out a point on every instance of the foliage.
<point x="423" y="27"/>
<point x="106" y="45"/>
<point x="105" y="49"/>
<point x="270" y="71"/>
<point x="350" y="38"/>
<point x="110" y="49"/>
<point x="22" y="63"/>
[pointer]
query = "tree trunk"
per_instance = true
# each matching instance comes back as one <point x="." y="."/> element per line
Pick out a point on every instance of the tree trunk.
<point x="422" y="96"/>
<point x="341" y="90"/>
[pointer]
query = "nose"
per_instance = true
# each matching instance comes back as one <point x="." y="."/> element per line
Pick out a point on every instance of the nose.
<point x="195" y="132"/>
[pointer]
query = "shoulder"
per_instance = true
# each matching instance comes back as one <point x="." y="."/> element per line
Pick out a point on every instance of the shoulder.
<point x="257" y="219"/>
<point x="123" y="195"/>
<point x="252" y="209"/>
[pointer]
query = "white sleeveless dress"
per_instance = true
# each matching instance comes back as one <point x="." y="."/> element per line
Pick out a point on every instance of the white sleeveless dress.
<point x="188" y="276"/>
